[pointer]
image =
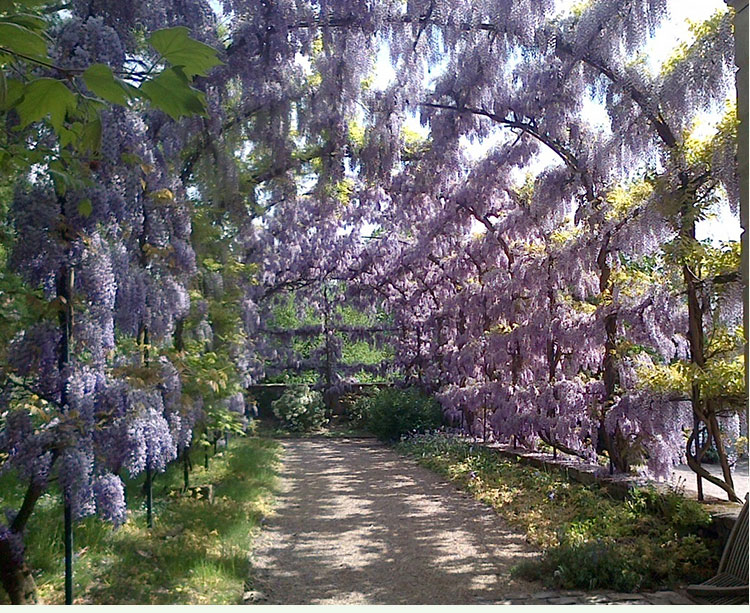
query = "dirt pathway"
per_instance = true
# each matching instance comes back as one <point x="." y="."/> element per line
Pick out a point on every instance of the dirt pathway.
<point x="357" y="524"/>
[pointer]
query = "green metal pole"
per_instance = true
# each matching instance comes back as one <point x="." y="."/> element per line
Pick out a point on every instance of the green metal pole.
<point x="68" y="554"/>
<point x="149" y="499"/>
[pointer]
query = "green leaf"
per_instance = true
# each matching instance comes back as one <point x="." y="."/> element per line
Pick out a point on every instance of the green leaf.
<point x="91" y="136"/>
<point x="22" y="41"/>
<point x="131" y="159"/>
<point x="170" y="92"/>
<point x="176" y="46"/>
<point x="32" y="22"/>
<point x="13" y="93"/>
<point x="85" y="208"/>
<point x="60" y="178"/>
<point x="67" y="137"/>
<point x="102" y="82"/>
<point x="46" y="97"/>
<point x="30" y="3"/>
<point x="8" y="5"/>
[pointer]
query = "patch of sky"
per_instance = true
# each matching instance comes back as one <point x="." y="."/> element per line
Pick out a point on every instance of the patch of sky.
<point x="676" y="29"/>
<point x="721" y="225"/>
<point x="385" y="72"/>
<point x="217" y="7"/>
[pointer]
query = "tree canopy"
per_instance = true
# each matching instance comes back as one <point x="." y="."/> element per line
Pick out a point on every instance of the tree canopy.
<point x="509" y="184"/>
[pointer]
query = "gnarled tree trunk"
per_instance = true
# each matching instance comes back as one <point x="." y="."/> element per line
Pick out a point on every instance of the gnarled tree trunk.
<point x="15" y="573"/>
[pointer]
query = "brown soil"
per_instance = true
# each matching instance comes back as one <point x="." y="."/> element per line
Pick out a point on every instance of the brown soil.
<point x="356" y="523"/>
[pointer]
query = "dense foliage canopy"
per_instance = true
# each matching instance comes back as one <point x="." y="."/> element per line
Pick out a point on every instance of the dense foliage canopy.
<point x="510" y="184"/>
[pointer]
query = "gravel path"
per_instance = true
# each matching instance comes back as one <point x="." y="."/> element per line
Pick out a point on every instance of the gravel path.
<point x="683" y="475"/>
<point x="356" y="523"/>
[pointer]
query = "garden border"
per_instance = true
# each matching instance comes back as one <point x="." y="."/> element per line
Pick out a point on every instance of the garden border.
<point x="723" y="513"/>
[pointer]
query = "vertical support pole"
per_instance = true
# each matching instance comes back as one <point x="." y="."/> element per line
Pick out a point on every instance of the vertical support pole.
<point x="149" y="499"/>
<point x="186" y="469"/>
<point x="68" y="553"/>
<point x="698" y="455"/>
<point x="149" y="478"/>
<point x="65" y="286"/>
<point x="327" y="333"/>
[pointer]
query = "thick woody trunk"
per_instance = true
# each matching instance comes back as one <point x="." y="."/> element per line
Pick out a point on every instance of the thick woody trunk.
<point x="703" y="409"/>
<point x="15" y="573"/>
<point x="609" y="364"/>
<point x="16" y="577"/>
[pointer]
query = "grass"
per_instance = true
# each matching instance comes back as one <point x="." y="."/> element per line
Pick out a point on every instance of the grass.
<point x="197" y="552"/>
<point x="651" y="540"/>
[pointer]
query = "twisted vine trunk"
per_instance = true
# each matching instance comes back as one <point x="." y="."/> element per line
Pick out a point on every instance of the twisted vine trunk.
<point x="15" y="573"/>
<point x="704" y="409"/>
<point x="609" y="364"/>
<point x="16" y="577"/>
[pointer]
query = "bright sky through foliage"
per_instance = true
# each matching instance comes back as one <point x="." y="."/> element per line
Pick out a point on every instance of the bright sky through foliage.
<point x="723" y="226"/>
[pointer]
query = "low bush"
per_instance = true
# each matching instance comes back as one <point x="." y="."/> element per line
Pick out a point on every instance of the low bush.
<point x="300" y="409"/>
<point x="589" y="540"/>
<point x="393" y="413"/>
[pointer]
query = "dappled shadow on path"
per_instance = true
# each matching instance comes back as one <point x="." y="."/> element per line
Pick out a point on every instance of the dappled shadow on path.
<point x="358" y="524"/>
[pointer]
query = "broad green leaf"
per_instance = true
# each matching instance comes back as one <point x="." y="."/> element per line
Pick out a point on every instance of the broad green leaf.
<point x="68" y="136"/>
<point x="91" y="136"/>
<point x="32" y="22"/>
<point x="46" y="97"/>
<point x="60" y="178"/>
<point x="170" y="92"/>
<point x="89" y="108"/>
<point x="13" y="93"/>
<point x="132" y="91"/>
<point x="102" y="82"/>
<point x="23" y="41"/>
<point x="85" y="208"/>
<point x="176" y="46"/>
<point x="3" y="90"/>
<point x="30" y="3"/>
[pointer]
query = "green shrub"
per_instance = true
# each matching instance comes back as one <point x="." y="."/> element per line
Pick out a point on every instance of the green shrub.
<point x="300" y="409"/>
<point x="588" y="564"/>
<point x="393" y="413"/>
<point x="651" y="540"/>
<point x="682" y="515"/>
